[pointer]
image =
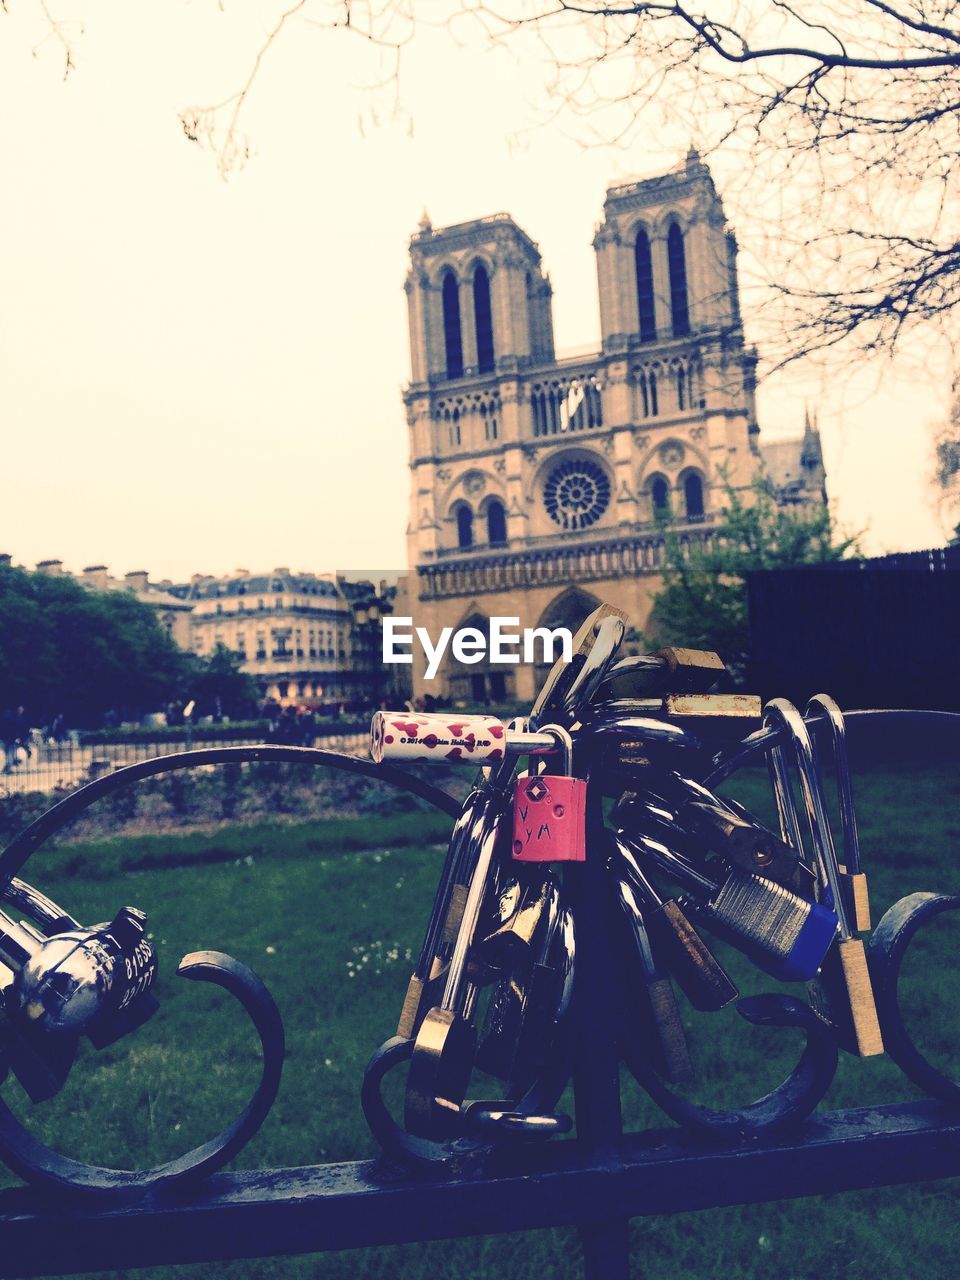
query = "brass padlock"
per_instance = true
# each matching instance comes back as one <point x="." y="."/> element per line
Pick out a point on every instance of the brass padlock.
<point x="851" y="877"/>
<point x="691" y="670"/>
<point x="656" y="995"/>
<point x="675" y="669"/>
<point x="842" y="993"/>
<point x="714" y="714"/>
<point x="675" y="941"/>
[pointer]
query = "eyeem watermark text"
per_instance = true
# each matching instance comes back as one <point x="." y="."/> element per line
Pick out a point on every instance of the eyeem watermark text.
<point x="507" y="643"/>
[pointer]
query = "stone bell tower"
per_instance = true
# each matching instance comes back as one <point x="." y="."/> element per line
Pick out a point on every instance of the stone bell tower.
<point x="542" y="485"/>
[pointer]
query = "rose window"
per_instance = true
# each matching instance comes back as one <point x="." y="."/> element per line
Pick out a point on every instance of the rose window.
<point x="576" y="494"/>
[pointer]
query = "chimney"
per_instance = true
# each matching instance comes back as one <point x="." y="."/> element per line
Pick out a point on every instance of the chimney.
<point x="52" y="567"/>
<point x="95" y="575"/>
<point x="139" y="580"/>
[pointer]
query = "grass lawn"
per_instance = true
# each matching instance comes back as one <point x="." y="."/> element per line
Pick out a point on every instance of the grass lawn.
<point x="329" y="913"/>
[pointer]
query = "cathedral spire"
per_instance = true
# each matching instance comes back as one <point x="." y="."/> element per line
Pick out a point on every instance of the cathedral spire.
<point x="811" y="454"/>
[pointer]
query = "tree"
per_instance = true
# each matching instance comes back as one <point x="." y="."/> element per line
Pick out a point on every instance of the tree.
<point x="947" y="467"/>
<point x="842" y="114"/>
<point x="80" y="653"/>
<point x="703" y="600"/>
<point x="220" y="686"/>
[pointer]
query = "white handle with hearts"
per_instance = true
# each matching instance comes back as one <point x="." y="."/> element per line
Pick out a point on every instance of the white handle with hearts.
<point x="448" y="738"/>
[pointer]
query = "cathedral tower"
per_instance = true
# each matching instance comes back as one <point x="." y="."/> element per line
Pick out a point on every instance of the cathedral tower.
<point x="542" y="485"/>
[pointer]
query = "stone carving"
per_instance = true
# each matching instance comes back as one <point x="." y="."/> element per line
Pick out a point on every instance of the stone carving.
<point x="671" y="453"/>
<point x="474" y="483"/>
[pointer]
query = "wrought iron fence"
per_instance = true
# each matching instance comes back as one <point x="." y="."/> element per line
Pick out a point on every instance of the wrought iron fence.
<point x="48" y="767"/>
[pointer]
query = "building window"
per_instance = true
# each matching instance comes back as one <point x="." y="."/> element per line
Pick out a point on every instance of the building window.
<point x="676" y="259"/>
<point x="451" y="326"/>
<point x="680" y="375"/>
<point x="693" y="495"/>
<point x="483" y="319"/>
<point x="644" y="266"/>
<point x="464" y="527"/>
<point x="576" y="494"/>
<point x="660" y="496"/>
<point x="496" y="524"/>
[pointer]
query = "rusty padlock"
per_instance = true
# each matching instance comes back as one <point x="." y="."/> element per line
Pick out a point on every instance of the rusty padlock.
<point x="549" y="811"/>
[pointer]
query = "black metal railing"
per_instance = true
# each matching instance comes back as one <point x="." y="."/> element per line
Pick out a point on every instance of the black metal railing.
<point x="53" y="767"/>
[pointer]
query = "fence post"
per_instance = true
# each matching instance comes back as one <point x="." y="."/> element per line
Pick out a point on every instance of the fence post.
<point x="596" y="1065"/>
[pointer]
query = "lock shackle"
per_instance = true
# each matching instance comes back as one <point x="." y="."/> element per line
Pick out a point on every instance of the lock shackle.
<point x="822" y="703"/>
<point x="788" y="816"/>
<point x="785" y="715"/>
<point x="563" y="744"/>
<point x="571" y="694"/>
<point x="455" y="992"/>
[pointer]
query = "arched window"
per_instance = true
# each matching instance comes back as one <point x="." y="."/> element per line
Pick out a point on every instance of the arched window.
<point x="660" y="496"/>
<point x="464" y="527"/>
<point x="451" y="326"/>
<point x="648" y="323"/>
<point x="496" y="524"/>
<point x="677" y="262"/>
<point x="483" y="319"/>
<point x="693" y="495"/>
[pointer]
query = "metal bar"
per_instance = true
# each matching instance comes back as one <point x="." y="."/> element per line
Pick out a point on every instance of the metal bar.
<point x="342" y="1206"/>
<point x="596" y="1069"/>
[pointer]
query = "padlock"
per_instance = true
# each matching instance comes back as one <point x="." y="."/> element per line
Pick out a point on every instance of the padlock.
<point x="445" y="1045"/>
<point x="445" y="914"/>
<point x="549" y="811"/>
<point x="523" y="1005"/>
<point x="843" y="992"/>
<point x="658" y="1003"/>
<point x="713" y="715"/>
<point x="676" y="943"/>
<point x="785" y="935"/>
<point x="851" y="877"/>
<point x="694" y="817"/>
<point x="674" y="669"/>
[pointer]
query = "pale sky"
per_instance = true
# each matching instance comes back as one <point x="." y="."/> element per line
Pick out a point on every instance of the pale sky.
<point x="199" y="375"/>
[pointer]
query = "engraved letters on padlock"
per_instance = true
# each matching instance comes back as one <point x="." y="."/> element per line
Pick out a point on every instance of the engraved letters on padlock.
<point x="549" y="813"/>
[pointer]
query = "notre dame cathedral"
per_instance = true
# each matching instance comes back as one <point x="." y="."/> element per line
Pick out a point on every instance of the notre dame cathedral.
<point x="542" y="485"/>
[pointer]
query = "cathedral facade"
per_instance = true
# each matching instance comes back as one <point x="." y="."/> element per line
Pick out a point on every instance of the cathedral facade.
<point x="541" y="486"/>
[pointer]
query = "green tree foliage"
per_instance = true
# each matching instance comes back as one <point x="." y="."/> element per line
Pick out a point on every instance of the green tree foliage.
<point x="66" y="650"/>
<point x="703" y="600"/>
<point x="219" y="685"/>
